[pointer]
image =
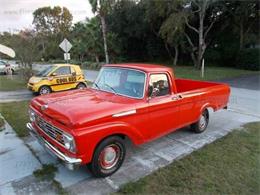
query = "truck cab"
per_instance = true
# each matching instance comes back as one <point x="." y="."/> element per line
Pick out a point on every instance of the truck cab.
<point x="57" y="77"/>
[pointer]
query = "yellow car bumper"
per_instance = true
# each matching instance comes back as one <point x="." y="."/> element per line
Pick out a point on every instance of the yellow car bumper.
<point x="32" y="87"/>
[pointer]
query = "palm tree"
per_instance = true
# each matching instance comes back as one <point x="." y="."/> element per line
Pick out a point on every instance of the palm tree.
<point x="102" y="7"/>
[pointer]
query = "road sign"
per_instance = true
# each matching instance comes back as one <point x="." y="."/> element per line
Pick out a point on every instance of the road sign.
<point x="65" y="45"/>
<point x="66" y="56"/>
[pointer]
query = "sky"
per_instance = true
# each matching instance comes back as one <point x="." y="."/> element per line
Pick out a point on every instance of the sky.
<point x="16" y="15"/>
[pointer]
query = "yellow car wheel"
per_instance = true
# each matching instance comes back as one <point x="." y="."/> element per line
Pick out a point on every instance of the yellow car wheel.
<point x="81" y="86"/>
<point x="44" y="90"/>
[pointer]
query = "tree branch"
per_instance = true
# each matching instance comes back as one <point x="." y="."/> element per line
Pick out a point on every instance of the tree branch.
<point x="191" y="27"/>
<point x="189" y="40"/>
<point x="209" y="28"/>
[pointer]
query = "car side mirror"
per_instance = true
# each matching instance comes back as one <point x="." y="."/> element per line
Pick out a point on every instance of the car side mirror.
<point x="74" y="74"/>
<point x="54" y="74"/>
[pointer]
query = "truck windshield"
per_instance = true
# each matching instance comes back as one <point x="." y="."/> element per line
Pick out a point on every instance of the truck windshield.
<point x="121" y="81"/>
<point x="45" y="71"/>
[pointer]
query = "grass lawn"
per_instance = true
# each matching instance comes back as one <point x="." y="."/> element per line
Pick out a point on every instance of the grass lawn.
<point x="211" y="73"/>
<point x="230" y="165"/>
<point x="10" y="84"/>
<point x="15" y="114"/>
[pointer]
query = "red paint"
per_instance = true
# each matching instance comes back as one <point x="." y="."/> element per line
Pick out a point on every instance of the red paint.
<point x="88" y="114"/>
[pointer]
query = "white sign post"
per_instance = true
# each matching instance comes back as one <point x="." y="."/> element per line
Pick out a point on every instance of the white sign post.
<point x="65" y="45"/>
<point x="202" y="68"/>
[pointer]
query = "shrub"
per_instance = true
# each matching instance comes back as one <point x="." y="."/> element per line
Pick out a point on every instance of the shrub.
<point x="249" y="59"/>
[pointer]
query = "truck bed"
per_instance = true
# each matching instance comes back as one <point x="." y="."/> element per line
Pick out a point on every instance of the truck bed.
<point x="185" y="85"/>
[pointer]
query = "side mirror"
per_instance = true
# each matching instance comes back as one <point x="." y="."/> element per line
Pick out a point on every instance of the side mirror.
<point x="74" y="74"/>
<point x="54" y="74"/>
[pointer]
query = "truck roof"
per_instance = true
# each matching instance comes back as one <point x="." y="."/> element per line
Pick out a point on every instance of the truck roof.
<point x="142" y="67"/>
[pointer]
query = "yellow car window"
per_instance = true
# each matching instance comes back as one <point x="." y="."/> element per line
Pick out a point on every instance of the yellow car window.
<point x="64" y="70"/>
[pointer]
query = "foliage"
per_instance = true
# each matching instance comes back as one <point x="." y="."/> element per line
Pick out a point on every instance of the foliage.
<point x="249" y="59"/>
<point x="24" y="45"/>
<point x="54" y="20"/>
<point x="145" y="30"/>
<point x="87" y="38"/>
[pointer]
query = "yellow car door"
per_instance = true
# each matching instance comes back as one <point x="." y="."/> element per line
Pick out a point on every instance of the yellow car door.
<point x="60" y="79"/>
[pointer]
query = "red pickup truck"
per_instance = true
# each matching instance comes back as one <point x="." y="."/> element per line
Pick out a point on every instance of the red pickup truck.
<point x="140" y="102"/>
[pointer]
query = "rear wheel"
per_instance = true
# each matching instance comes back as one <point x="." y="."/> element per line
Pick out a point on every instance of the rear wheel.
<point x="108" y="157"/>
<point x="81" y="86"/>
<point x="44" y="90"/>
<point x="201" y="125"/>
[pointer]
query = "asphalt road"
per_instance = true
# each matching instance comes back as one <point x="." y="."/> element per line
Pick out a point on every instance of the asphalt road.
<point x="246" y="82"/>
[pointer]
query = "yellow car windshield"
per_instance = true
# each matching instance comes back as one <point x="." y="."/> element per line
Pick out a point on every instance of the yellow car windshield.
<point x="45" y="71"/>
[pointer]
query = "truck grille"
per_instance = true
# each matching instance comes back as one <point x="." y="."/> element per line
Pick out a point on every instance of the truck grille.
<point x="50" y="130"/>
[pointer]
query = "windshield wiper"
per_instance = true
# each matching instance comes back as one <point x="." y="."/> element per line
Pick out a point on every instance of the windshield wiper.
<point x="111" y="88"/>
<point x="96" y="85"/>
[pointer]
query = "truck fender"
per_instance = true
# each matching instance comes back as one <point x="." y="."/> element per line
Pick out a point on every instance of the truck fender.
<point x="94" y="135"/>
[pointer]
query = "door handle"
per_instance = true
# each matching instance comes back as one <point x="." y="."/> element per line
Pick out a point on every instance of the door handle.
<point x="176" y="97"/>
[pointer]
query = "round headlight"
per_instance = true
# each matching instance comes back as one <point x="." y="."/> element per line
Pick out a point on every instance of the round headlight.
<point x="69" y="142"/>
<point x="32" y="115"/>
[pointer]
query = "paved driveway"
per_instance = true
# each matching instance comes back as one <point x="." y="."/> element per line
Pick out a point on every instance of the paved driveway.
<point x="140" y="161"/>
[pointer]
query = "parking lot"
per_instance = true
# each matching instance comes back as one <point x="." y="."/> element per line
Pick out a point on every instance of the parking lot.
<point x="19" y="158"/>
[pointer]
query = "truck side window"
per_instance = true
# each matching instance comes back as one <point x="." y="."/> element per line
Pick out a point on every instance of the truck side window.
<point x="64" y="70"/>
<point x="158" y="85"/>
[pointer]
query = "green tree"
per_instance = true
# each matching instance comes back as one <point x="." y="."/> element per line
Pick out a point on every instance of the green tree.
<point x="88" y="39"/>
<point x="102" y="8"/>
<point x="200" y="11"/>
<point x="24" y="44"/>
<point x="54" y="20"/>
<point x="52" y="25"/>
<point x="171" y="24"/>
<point x="245" y="16"/>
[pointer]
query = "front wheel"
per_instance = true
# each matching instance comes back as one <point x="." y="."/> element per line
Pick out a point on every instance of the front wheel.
<point x="81" y="86"/>
<point x="44" y="90"/>
<point x="201" y="125"/>
<point x="108" y="157"/>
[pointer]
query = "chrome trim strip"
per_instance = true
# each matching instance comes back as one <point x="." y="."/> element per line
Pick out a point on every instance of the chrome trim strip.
<point x="126" y="113"/>
<point x="51" y="149"/>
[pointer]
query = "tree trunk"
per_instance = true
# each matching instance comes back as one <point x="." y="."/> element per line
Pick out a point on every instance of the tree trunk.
<point x="168" y="50"/>
<point x="201" y="38"/>
<point x="97" y="58"/>
<point x="103" y="24"/>
<point x="176" y="55"/>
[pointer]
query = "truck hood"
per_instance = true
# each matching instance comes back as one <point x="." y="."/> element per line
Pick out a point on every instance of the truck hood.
<point x="82" y="107"/>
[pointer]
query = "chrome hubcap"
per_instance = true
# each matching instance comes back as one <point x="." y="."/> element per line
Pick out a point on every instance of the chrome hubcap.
<point x="44" y="91"/>
<point x="109" y="156"/>
<point x="202" y="122"/>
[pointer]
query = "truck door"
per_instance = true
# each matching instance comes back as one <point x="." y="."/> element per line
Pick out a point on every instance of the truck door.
<point x="163" y="109"/>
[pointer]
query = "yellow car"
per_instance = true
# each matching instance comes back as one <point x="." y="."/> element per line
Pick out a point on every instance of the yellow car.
<point x="57" y="77"/>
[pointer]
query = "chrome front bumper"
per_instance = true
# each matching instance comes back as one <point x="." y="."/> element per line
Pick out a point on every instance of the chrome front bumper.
<point x="70" y="163"/>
